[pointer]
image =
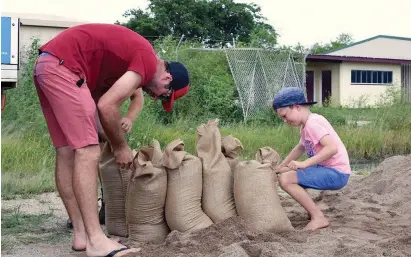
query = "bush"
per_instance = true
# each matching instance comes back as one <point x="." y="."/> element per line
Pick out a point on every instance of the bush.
<point x="22" y="104"/>
<point x="212" y="91"/>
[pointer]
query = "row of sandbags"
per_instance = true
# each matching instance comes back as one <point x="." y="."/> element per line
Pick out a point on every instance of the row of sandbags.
<point x="175" y="190"/>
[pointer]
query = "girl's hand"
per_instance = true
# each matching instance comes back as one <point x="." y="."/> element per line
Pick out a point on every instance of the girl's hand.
<point x="295" y="165"/>
<point x="280" y="170"/>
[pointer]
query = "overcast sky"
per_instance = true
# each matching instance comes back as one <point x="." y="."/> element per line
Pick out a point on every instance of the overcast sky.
<point x="304" y="21"/>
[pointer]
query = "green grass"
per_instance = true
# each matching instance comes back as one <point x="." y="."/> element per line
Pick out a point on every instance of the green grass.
<point x="19" y="228"/>
<point x="28" y="156"/>
<point x="13" y="221"/>
<point x="27" y="161"/>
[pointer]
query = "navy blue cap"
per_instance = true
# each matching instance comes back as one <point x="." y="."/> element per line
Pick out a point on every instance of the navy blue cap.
<point x="290" y="96"/>
<point x="180" y="75"/>
<point x="179" y="85"/>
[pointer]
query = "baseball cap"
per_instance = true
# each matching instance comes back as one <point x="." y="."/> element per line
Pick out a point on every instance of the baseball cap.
<point x="290" y="96"/>
<point x="179" y="85"/>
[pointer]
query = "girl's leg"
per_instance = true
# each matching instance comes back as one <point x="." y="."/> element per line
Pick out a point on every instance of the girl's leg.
<point x="289" y="183"/>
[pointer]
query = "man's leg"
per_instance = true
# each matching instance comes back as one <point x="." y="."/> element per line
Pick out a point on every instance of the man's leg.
<point x="64" y="170"/>
<point x="289" y="183"/>
<point x="85" y="188"/>
<point x="64" y="181"/>
<point x="101" y="213"/>
<point x="74" y="110"/>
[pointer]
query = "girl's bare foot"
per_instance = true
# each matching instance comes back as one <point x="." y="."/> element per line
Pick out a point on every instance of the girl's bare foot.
<point x="316" y="223"/>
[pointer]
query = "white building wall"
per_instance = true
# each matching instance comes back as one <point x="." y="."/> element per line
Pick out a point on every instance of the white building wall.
<point x="357" y="95"/>
<point x="389" y="48"/>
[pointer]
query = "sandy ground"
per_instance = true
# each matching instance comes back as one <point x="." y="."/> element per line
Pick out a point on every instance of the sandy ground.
<point x="370" y="217"/>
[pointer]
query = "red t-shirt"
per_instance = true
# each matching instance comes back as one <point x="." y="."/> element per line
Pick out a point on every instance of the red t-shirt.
<point x="101" y="53"/>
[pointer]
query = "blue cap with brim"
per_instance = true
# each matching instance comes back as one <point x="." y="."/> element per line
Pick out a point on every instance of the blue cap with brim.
<point x="290" y="96"/>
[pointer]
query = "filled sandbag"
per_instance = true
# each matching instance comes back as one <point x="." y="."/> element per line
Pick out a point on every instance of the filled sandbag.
<point x="146" y="197"/>
<point x="230" y="147"/>
<point x="184" y="189"/>
<point x="255" y="193"/>
<point x="114" y="182"/>
<point x="218" y="199"/>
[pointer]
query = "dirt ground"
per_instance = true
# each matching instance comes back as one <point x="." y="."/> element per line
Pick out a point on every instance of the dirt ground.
<point x="49" y="203"/>
<point x="370" y="217"/>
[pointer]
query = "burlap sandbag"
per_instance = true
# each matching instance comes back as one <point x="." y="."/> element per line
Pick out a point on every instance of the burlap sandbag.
<point x="230" y="147"/>
<point x="255" y="193"/>
<point x="146" y="197"/>
<point x="218" y="199"/>
<point x="184" y="189"/>
<point x="115" y="182"/>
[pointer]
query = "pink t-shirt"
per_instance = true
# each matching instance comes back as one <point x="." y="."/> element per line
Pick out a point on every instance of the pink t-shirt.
<point x="316" y="128"/>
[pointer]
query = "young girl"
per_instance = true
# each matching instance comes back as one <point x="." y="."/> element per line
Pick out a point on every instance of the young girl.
<point x="327" y="166"/>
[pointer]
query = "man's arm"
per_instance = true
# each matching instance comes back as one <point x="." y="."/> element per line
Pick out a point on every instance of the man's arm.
<point x="109" y="107"/>
<point x="134" y="108"/>
<point x="136" y="104"/>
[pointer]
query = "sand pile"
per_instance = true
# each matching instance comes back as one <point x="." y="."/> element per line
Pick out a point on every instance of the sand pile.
<point x="370" y="217"/>
<point x="388" y="185"/>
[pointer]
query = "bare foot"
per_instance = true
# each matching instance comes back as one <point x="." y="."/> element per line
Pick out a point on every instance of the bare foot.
<point x="316" y="223"/>
<point x="116" y="239"/>
<point x="79" y="240"/>
<point x="106" y="246"/>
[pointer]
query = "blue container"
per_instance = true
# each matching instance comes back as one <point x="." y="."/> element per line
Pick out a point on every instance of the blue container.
<point x="5" y="40"/>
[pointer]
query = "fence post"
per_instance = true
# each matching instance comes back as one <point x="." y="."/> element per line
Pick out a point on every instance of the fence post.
<point x="178" y="45"/>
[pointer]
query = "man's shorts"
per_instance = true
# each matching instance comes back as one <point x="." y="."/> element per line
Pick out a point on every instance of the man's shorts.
<point x="322" y="178"/>
<point x="69" y="109"/>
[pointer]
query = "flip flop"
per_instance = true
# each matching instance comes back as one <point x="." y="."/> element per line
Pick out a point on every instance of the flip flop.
<point x="113" y="253"/>
<point x="78" y="250"/>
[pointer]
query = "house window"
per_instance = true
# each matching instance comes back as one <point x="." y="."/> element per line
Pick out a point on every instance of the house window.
<point x="371" y="77"/>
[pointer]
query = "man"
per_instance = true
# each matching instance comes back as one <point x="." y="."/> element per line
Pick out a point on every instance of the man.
<point x="87" y="69"/>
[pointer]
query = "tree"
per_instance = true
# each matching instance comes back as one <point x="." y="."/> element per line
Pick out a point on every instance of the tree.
<point x="212" y="22"/>
<point x="342" y="40"/>
<point x="141" y="22"/>
<point x="263" y="36"/>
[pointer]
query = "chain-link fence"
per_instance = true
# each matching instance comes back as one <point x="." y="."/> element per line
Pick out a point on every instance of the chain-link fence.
<point x="259" y="73"/>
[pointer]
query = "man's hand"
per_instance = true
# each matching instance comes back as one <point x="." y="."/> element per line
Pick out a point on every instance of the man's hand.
<point x="295" y="165"/>
<point x="124" y="156"/>
<point x="126" y="124"/>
